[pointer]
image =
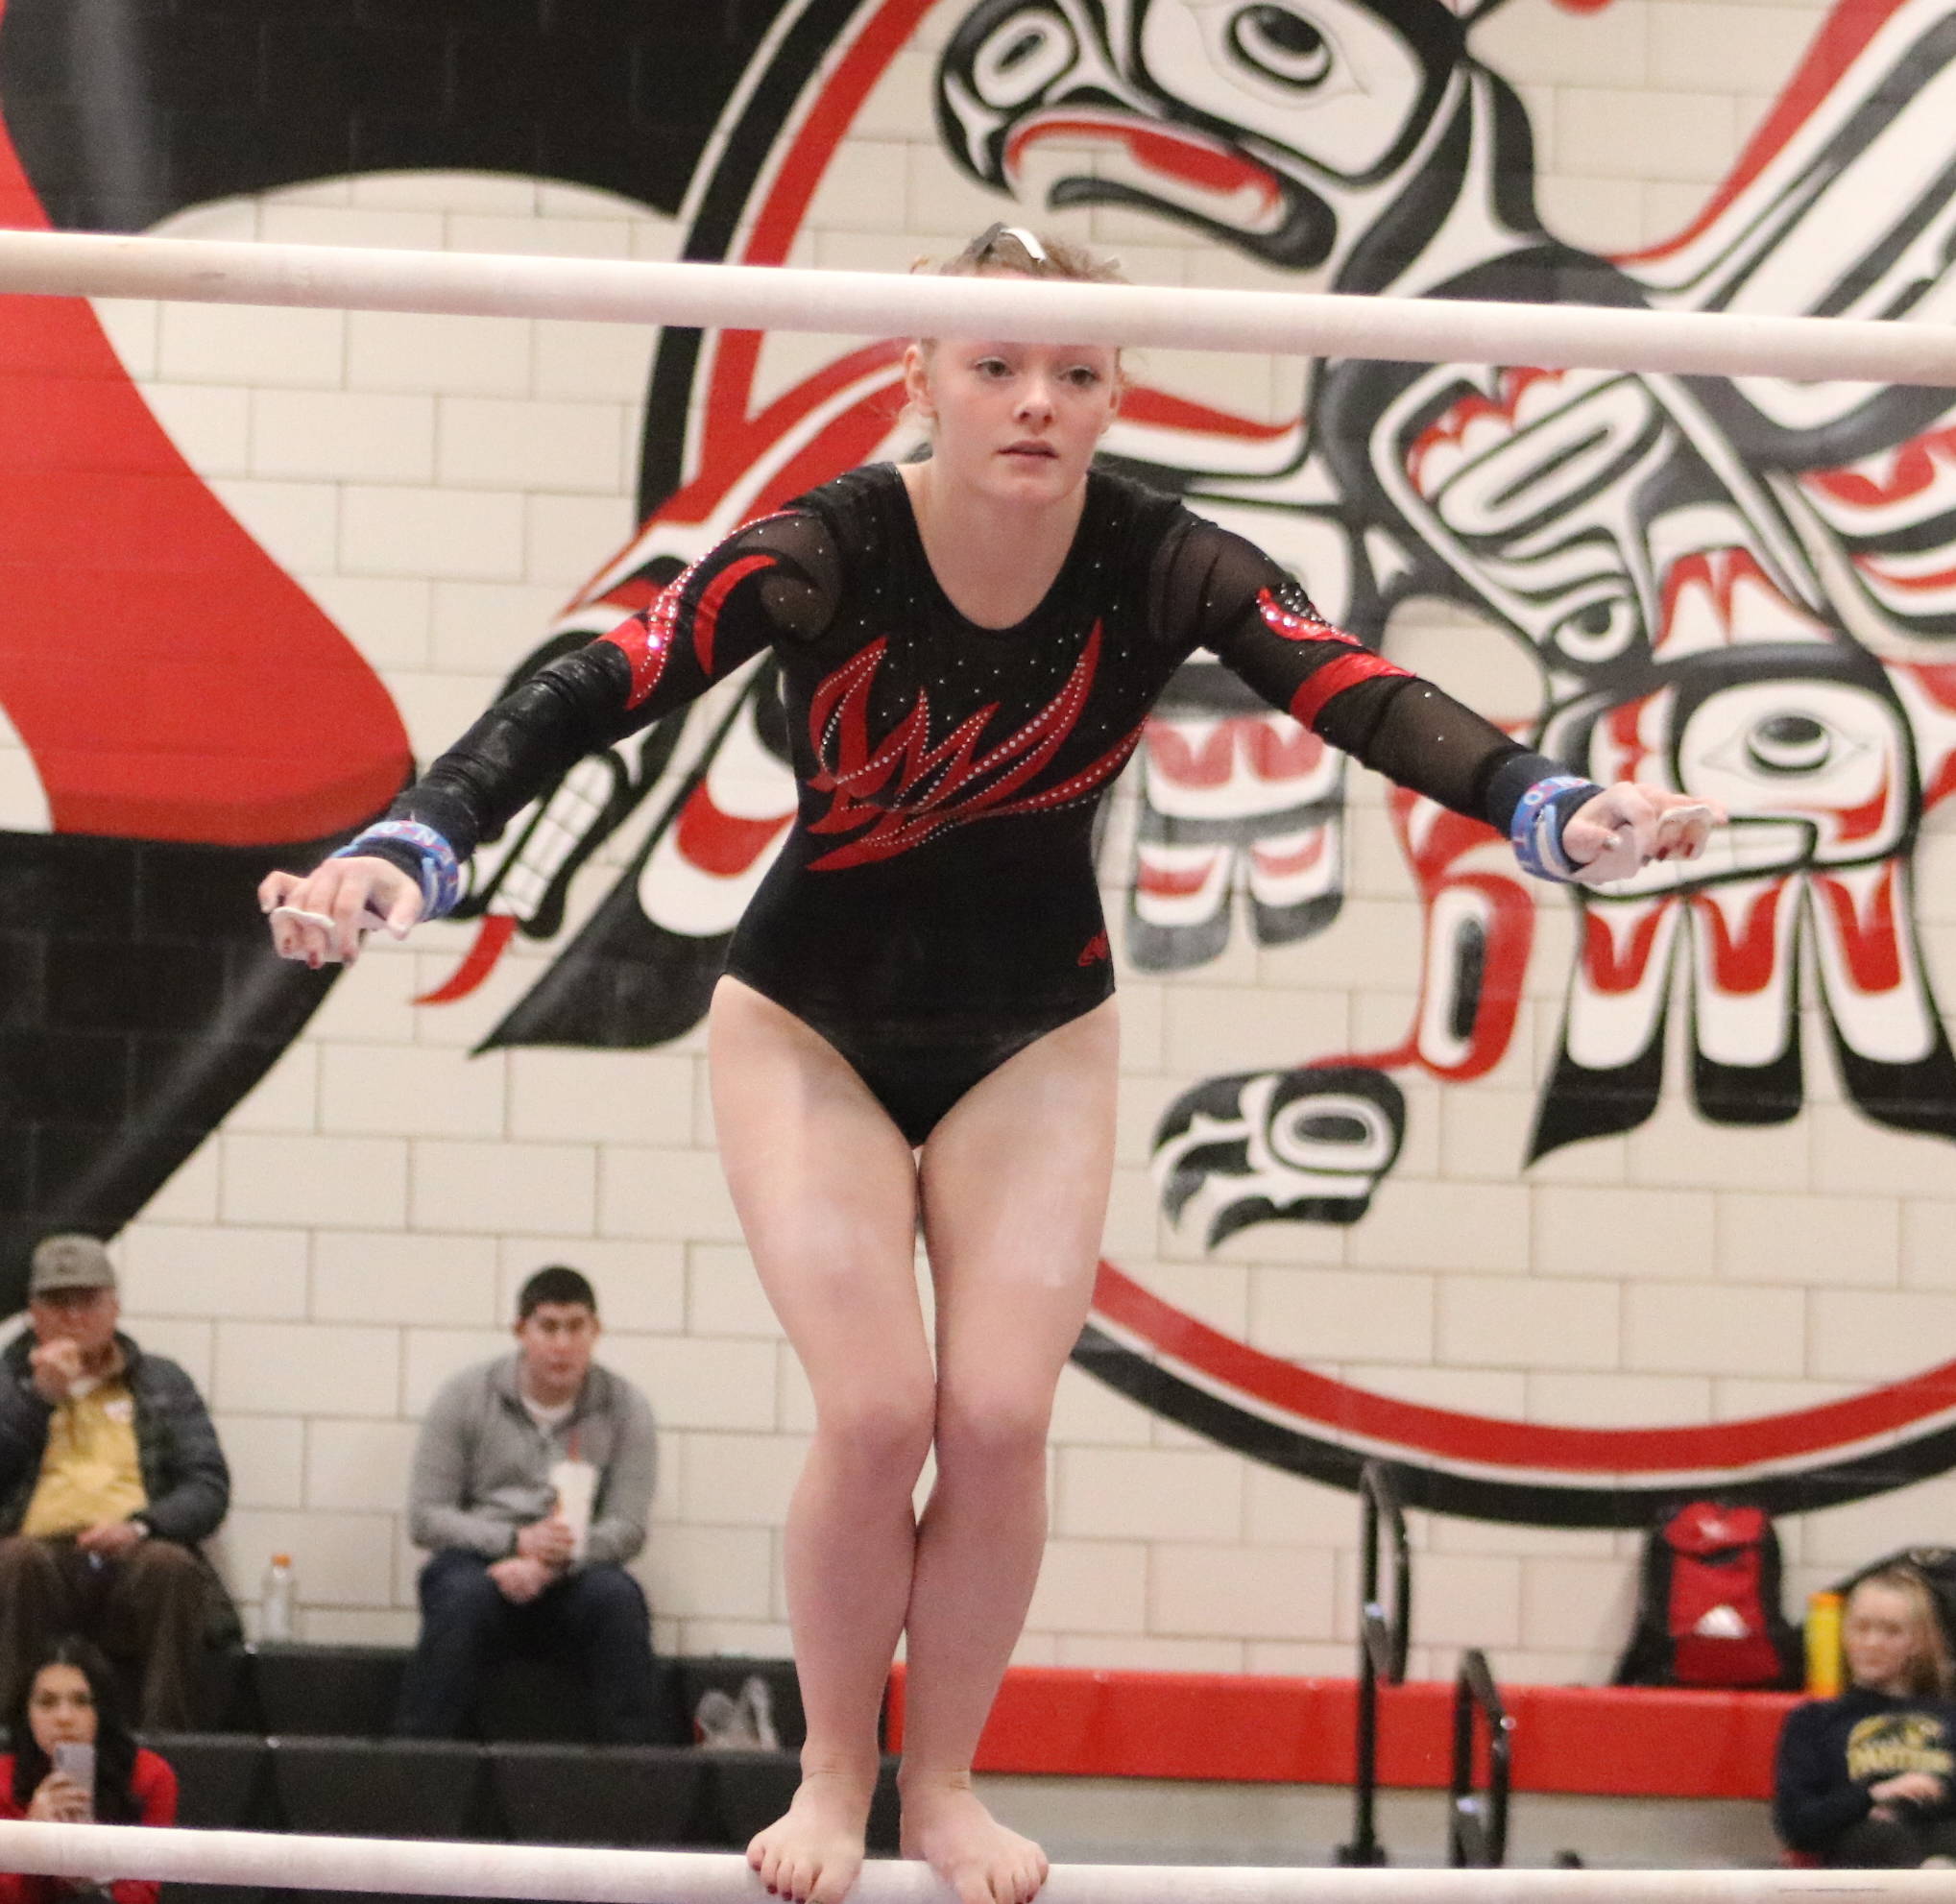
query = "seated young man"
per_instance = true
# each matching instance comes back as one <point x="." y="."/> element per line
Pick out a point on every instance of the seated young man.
<point x="532" y="1481"/>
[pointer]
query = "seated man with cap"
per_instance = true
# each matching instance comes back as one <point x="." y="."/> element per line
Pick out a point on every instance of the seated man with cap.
<point x="110" y="1474"/>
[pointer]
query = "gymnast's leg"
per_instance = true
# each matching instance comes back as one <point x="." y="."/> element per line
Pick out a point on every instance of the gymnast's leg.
<point x="826" y="1190"/>
<point x="1014" y="1182"/>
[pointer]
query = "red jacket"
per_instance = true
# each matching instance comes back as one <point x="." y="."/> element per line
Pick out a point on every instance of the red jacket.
<point x="153" y="1787"/>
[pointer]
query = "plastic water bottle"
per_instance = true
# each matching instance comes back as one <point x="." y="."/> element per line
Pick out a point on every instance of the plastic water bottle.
<point x="275" y="1598"/>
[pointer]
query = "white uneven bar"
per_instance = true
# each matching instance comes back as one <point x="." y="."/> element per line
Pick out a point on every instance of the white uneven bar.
<point x="888" y="304"/>
<point x="576" y="1876"/>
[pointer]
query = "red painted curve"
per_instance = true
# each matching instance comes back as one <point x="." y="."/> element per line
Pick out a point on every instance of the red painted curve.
<point x="168" y="678"/>
<point x="1491" y="1442"/>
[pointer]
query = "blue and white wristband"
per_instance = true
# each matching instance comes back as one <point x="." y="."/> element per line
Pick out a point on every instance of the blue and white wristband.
<point x="1537" y="828"/>
<point x="435" y="863"/>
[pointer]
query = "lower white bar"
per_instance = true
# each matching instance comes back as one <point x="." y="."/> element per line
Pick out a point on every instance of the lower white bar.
<point x="578" y="1876"/>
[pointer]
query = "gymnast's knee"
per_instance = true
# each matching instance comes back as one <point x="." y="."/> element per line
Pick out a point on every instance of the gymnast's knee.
<point x="881" y="1435"/>
<point x="997" y="1431"/>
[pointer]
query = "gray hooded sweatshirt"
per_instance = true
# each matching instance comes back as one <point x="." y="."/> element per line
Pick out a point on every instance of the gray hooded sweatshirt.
<point x="482" y="1464"/>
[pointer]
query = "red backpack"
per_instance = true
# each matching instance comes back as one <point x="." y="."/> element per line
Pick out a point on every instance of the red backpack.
<point x="1708" y="1603"/>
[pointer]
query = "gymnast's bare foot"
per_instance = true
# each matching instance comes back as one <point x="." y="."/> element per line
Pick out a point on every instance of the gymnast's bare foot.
<point x="945" y="1825"/>
<point x="814" y="1853"/>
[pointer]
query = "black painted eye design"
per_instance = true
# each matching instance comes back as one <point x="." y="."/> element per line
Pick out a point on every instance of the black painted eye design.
<point x="1020" y="56"/>
<point x="1789" y="744"/>
<point x="1283" y="46"/>
<point x="1599" y="630"/>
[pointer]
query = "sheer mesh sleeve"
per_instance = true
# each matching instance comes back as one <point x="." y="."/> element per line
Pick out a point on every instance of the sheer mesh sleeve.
<point x="1252" y="615"/>
<point x="777" y="579"/>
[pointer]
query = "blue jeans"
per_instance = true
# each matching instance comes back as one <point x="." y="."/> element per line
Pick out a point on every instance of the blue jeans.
<point x="596" y="1619"/>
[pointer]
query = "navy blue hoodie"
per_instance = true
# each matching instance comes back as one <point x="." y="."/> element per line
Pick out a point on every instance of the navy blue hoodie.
<point x="1832" y="1750"/>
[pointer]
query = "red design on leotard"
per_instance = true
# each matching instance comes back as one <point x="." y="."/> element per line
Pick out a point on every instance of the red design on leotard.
<point x="1335" y="677"/>
<point x="1296" y="623"/>
<point x="707" y="615"/>
<point x="904" y="788"/>
<point x="646" y="637"/>
<point x="1096" y="950"/>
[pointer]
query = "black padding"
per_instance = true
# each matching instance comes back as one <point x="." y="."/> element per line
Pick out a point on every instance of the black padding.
<point x="550" y="1793"/>
<point x="884" y="1816"/>
<point x="224" y="1783"/>
<point x="529" y="1696"/>
<point x="341" y="1692"/>
<point x="224" y="1779"/>
<point x="380" y="1788"/>
<point x="227" y="1691"/>
<point x="745" y="1791"/>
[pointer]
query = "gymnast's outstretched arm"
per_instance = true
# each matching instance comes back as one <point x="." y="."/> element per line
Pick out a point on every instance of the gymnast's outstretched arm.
<point x="775" y="578"/>
<point x="1261" y="625"/>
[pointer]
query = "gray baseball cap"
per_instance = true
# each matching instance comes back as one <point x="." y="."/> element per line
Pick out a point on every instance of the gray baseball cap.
<point x="69" y="1262"/>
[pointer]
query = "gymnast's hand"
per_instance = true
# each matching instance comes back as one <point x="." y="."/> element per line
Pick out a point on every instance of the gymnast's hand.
<point x="1622" y="829"/>
<point x="323" y="916"/>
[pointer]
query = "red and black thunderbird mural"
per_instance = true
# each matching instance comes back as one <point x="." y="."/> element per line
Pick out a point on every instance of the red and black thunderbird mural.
<point x="1741" y="587"/>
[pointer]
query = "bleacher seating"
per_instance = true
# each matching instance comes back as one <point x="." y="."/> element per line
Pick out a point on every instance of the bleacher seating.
<point x="381" y="1788"/>
<point x="224" y="1779"/>
<point x="305" y="1747"/>
<point x="331" y="1691"/>
<point x="224" y="1783"/>
<point x="521" y="1782"/>
<point x="350" y="1691"/>
<point x="549" y="1793"/>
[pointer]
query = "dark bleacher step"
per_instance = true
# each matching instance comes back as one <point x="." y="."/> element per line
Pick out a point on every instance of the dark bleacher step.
<point x="528" y="1698"/>
<point x="630" y="1796"/>
<point x="337" y="1692"/>
<point x="224" y="1783"/>
<point x="351" y="1692"/>
<point x="748" y="1790"/>
<point x="224" y="1779"/>
<point x="381" y="1788"/>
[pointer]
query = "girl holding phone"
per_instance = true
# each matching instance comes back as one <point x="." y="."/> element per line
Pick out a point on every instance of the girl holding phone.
<point x="74" y="1762"/>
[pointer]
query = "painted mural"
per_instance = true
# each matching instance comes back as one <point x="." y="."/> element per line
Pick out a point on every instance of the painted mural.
<point x="1744" y="589"/>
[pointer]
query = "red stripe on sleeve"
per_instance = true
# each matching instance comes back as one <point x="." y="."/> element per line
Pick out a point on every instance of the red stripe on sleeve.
<point x="1333" y="678"/>
<point x="707" y="615"/>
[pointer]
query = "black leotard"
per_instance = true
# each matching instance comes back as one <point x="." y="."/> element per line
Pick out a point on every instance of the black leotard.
<point x="934" y="907"/>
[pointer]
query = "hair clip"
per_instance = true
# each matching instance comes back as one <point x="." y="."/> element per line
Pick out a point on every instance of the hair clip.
<point x="1018" y="235"/>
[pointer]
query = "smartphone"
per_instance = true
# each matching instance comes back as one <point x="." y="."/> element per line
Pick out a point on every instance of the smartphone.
<point x="77" y="1761"/>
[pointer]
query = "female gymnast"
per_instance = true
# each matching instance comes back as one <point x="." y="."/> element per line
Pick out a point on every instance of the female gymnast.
<point x="916" y="1022"/>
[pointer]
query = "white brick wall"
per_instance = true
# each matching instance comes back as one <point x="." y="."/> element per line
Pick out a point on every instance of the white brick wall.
<point x="1238" y="1592"/>
<point x="359" y="1228"/>
<point x="1161" y="1495"/>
